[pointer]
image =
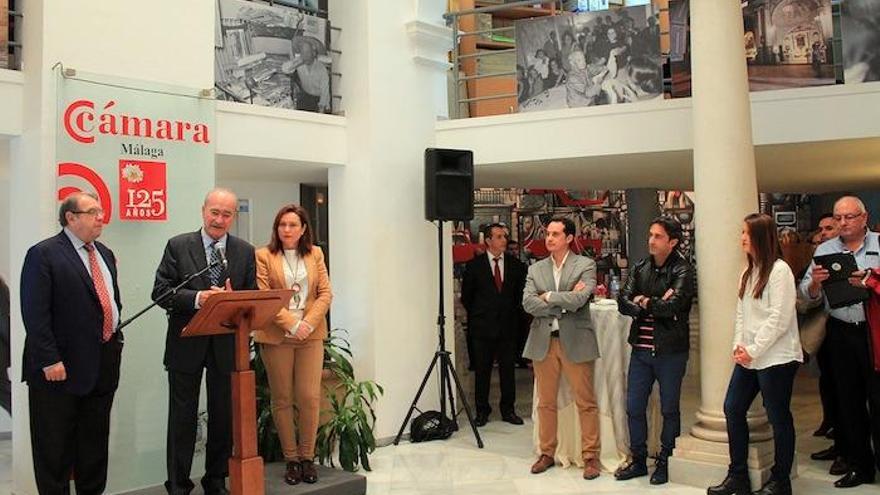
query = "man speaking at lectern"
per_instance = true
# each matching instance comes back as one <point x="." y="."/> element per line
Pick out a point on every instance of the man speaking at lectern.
<point x="186" y="357"/>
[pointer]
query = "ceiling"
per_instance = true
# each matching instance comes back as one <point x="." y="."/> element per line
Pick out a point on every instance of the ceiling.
<point x="809" y="168"/>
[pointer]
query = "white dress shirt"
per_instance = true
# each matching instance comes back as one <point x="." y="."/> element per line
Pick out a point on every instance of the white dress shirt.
<point x="206" y="243"/>
<point x="79" y="246"/>
<point x="491" y="258"/>
<point x="293" y="262"/>
<point x="767" y="327"/>
<point x="557" y="274"/>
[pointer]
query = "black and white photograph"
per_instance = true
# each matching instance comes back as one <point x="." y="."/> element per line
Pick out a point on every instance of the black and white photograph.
<point x="788" y="43"/>
<point x="591" y="58"/>
<point x="860" y="26"/>
<point x="680" y="47"/>
<point x="272" y="55"/>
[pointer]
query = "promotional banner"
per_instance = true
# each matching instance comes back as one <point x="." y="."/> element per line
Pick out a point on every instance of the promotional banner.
<point x="147" y="151"/>
<point x="123" y="143"/>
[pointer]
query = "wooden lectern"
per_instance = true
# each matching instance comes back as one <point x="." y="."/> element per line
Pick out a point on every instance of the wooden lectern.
<point x="239" y="312"/>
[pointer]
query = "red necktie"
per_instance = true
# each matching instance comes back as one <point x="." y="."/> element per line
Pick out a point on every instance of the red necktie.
<point x="498" y="281"/>
<point x="103" y="293"/>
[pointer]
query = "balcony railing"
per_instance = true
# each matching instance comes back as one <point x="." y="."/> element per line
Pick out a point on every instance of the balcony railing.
<point x="484" y="56"/>
<point x="10" y="34"/>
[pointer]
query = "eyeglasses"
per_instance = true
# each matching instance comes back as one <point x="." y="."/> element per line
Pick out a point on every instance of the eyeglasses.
<point x="91" y="211"/>
<point x="849" y="217"/>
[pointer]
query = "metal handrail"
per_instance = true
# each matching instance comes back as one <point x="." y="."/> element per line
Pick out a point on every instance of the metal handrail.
<point x="493" y="8"/>
<point x="483" y="76"/>
<point x="484" y="31"/>
<point x="14" y="45"/>
<point x="487" y="54"/>
<point x="452" y="19"/>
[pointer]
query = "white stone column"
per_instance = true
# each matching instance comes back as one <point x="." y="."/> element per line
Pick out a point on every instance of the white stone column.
<point x="725" y="187"/>
<point x="383" y="251"/>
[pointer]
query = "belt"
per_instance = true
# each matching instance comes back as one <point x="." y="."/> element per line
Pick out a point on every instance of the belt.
<point x="554" y="333"/>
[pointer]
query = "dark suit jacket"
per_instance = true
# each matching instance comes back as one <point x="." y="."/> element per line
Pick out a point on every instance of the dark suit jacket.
<point x="63" y="318"/>
<point x="492" y="314"/>
<point x="185" y="255"/>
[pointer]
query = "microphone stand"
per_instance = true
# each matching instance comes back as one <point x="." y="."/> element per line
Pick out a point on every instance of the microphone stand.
<point x="168" y="293"/>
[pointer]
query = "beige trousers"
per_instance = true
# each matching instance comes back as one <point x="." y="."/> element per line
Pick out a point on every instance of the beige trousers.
<point x="294" y="372"/>
<point x="580" y="377"/>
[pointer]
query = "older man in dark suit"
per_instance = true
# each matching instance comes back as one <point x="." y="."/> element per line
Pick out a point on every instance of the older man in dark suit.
<point x="70" y="306"/>
<point x="187" y="357"/>
<point x="491" y="292"/>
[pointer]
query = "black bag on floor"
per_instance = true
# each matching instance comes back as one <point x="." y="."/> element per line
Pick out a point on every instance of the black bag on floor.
<point x="431" y="425"/>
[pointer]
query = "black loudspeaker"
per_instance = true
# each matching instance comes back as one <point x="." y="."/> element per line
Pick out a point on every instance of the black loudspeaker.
<point x="449" y="184"/>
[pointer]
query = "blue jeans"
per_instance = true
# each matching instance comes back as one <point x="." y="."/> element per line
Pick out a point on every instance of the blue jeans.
<point x="775" y="384"/>
<point x="644" y="370"/>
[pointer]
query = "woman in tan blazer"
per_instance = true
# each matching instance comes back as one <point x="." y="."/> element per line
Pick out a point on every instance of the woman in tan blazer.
<point x="292" y="346"/>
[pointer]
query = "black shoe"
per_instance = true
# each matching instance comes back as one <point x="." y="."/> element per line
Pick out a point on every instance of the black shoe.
<point x="481" y="419"/>
<point x="634" y="469"/>
<point x="830" y="434"/>
<point x="828" y="454"/>
<point x="512" y="418"/>
<point x="839" y="467"/>
<point x="732" y="485"/>
<point x="660" y="476"/>
<point x="822" y="430"/>
<point x="293" y="473"/>
<point x="309" y="471"/>
<point x="854" y="478"/>
<point x="214" y="486"/>
<point x="774" y="487"/>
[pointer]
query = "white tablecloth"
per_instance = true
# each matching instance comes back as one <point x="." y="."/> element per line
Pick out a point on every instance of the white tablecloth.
<point x="609" y="383"/>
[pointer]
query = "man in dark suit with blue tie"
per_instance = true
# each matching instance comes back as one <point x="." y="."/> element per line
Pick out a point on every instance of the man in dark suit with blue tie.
<point x="491" y="292"/>
<point x="70" y="305"/>
<point x="187" y="357"/>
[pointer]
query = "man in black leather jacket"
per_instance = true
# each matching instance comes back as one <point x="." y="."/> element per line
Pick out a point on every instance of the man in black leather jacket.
<point x="658" y="295"/>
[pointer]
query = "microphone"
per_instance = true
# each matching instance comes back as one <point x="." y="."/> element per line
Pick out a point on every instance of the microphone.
<point x="221" y="250"/>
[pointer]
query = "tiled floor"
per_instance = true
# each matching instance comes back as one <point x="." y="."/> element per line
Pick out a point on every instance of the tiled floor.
<point x="457" y="467"/>
<point x="5" y="466"/>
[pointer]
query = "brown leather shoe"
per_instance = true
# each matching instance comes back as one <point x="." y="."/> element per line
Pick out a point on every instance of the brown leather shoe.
<point x="543" y="463"/>
<point x="591" y="469"/>
<point x="293" y="475"/>
<point x="309" y="472"/>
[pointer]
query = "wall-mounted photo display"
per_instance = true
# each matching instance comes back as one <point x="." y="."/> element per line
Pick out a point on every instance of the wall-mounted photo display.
<point x="860" y="26"/>
<point x="680" y="47"/>
<point x="592" y="58"/>
<point x="271" y="55"/>
<point x="788" y="43"/>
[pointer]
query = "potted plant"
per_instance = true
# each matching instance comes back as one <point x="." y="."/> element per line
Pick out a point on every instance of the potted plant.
<point x="350" y="417"/>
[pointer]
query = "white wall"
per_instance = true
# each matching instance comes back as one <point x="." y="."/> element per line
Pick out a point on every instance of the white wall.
<point x="266" y="197"/>
<point x="5" y="419"/>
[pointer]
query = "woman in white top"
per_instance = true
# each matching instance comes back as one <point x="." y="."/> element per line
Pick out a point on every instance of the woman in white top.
<point x="766" y="353"/>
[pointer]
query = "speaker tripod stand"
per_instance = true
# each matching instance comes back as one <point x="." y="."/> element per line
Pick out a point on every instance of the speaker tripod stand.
<point x="443" y="362"/>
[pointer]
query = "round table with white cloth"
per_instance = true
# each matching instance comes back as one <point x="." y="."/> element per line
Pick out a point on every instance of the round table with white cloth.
<point x="609" y="384"/>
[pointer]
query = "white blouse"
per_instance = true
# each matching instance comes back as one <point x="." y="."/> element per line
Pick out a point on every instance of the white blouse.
<point x="295" y="273"/>
<point x="767" y="327"/>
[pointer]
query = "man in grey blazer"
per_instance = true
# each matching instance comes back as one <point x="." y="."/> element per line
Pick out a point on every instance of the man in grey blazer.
<point x="562" y="340"/>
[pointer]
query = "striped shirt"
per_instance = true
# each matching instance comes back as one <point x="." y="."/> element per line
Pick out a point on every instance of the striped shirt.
<point x="645" y="337"/>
